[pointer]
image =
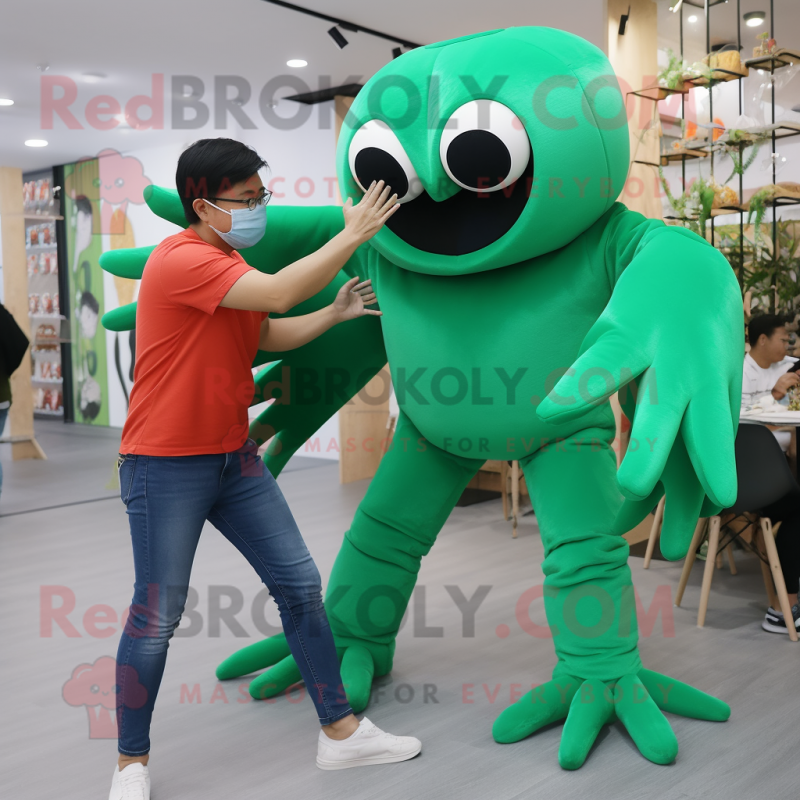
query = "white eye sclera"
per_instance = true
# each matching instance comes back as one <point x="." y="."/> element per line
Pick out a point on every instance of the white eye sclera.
<point x="376" y="154"/>
<point x="484" y="146"/>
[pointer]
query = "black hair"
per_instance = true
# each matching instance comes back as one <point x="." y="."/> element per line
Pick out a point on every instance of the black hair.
<point x="88" y="299"/>
<point x="83" y="205"/>
<point x="764" y="323"/>
<point x="212" y="165"/>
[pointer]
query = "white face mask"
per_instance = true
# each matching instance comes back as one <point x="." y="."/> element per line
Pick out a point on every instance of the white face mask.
<point x="247" y="227"/>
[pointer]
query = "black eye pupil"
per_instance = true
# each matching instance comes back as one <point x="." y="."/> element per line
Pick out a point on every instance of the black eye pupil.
<point x="479" y="159"/>
<point x="374" y="164"/>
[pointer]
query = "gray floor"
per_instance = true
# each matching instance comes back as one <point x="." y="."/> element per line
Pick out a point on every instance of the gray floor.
<point x="221" y="747"/>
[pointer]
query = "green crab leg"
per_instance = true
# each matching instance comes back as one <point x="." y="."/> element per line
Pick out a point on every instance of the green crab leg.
<point x="591" y="611"/>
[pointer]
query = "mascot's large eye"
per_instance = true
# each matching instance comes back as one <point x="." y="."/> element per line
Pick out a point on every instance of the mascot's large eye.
<point x="484" y="146"/>
<point x="376" y="154"/>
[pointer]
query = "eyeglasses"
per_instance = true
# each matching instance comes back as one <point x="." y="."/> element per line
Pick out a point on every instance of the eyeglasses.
<point x="251" y="203"/>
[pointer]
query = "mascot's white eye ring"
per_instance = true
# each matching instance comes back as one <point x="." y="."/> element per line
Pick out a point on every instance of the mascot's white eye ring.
<point x="484" y="146"/>
<point x="376" y="154"/>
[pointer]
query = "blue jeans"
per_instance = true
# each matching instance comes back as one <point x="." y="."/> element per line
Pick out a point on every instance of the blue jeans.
<point x="167" y="500"/>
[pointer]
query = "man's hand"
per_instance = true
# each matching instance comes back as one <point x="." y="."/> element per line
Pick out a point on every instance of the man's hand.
<point x="785" y="382"/>
<point x="352" y="298"/>
<point x="368" y="216"/>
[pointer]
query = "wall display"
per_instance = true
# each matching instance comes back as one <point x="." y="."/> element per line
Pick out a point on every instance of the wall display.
<point x="41" y="208"/>
<point x="509" y="216"/>
<point x="736" y="140"/>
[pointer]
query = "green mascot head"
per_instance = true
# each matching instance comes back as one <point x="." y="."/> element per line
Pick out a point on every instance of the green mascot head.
<point x="501" y="146"/>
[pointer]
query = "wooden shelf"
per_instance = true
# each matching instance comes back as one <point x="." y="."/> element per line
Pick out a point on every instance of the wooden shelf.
<point x="42" y="217"/>
<point x="666" y="158"/>
<point x="782" y="130"/>
<point x="41" y="341"/>
<point x="722" y="210"/>
<point x="787" y="129"/>
<point x="681" y="155"/>
<point x="46" y="412"/>
<point x="783" y="200"/>
<point x="742" y="208"/>
<point x="719" y="75"/>
<point x="782" y="57"/>
<point x="715" y="212"/>
<point x="657" y="93"/>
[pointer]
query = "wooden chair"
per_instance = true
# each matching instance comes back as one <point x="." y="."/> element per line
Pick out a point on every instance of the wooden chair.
<point x="655" y="533"/>
<point x="509" y="486"/>
<point x="763" y="477"/>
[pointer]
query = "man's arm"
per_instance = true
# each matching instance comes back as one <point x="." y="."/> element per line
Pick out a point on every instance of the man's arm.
<point x="256" y="291"/>
<point x="289" y="333"/>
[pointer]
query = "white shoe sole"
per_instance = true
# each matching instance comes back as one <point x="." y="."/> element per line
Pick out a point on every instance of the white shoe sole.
<point x="365" y="762"/>
<point x="768" y="626"/>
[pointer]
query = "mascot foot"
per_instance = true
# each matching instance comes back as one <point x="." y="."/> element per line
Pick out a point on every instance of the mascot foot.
<point x="586" y="705"/>
<point x="273" y="654"/>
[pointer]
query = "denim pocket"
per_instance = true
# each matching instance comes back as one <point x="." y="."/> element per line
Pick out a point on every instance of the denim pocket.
<point x="126" y="466"/>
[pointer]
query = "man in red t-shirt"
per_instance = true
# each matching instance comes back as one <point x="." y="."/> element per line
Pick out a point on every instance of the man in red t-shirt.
<point x="186" y="458"/>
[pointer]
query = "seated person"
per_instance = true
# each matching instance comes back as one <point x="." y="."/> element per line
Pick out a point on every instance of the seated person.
<point x="766" y="371"/>
<point x="766" y="366"/>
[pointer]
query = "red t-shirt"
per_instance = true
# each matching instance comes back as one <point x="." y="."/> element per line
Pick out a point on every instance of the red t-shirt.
<point x="192" y="380"/>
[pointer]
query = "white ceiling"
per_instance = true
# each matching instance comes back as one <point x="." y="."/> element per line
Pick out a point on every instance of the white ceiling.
<point x="129" y="42"/>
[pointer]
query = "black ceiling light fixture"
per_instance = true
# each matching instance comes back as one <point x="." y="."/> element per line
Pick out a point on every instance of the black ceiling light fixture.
<point x="623" y="21"/>
<point x="336" y="34"/>
<point x="754" y="18"/>
<point x="338" y="38"/>
<point x="397" y="52"/>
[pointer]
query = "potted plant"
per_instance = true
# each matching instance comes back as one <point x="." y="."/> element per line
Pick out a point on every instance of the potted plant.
<point x="773" y="275"/>
<point x="699" y="199"/>
<point x="671" y="77"/>
<point x="737" y="141"/>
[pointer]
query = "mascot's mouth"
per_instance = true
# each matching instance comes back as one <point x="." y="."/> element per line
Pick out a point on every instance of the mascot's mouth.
<point x="466" y="222"/>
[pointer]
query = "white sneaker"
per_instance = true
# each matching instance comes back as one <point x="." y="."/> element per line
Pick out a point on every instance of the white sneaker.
<point x="133" y="783"/>
<point x="367" y="745"/>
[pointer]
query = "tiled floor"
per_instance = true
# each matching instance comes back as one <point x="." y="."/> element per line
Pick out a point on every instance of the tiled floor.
<point x="64" y="549"/>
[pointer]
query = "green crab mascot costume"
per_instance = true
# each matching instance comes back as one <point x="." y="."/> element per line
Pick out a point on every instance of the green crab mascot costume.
<point x="517" y="296"/>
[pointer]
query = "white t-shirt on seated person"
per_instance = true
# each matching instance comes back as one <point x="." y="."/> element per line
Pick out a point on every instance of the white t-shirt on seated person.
<point x="757" y="381"/>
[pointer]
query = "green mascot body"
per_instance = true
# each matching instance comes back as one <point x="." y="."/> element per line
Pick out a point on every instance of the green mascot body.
<point x="517" y="295"/>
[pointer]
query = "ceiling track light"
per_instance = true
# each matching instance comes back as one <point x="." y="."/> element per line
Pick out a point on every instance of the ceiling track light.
<point x="677" y="7"/>
<point x="336" y="34"/>
<point x="338" y="38"/>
